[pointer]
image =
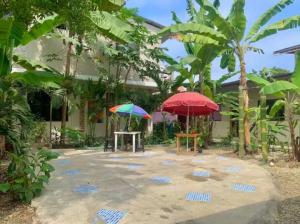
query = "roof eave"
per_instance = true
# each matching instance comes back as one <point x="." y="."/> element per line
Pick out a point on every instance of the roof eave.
<point x="289" y="50"/>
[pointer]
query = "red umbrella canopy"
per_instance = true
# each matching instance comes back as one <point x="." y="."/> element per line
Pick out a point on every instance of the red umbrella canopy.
<point x="190" y="103"/>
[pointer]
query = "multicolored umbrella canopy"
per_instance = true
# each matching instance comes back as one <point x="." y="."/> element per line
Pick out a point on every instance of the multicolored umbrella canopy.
<point x="130" y="110"/>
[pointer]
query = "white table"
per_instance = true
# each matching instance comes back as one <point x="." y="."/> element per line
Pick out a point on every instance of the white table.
<point x="133" y="133"/>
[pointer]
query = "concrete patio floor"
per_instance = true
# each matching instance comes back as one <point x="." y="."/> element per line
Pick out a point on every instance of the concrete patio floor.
<point x="87" y="181"/>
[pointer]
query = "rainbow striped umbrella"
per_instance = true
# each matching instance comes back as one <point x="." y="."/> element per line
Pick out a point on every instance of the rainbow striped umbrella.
<point x="130" y="110"/>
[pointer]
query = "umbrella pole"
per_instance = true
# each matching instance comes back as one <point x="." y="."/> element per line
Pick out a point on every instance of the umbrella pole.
<point x="187" y="132"/>
<point x="129" y="121"/>
<point x="187" y="129"/>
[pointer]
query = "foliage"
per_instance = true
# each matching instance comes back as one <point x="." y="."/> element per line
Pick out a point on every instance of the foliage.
<point x="15" y="117"/>
<point x="228" y="34"/>
<point x="157" y="137"/>
<point x="28" y="173"/>
<point x="117" y="63"/>
<point x="226" y="141"/>
<point x="111" y="25"/>
<point x="74" y="137"/>
<point x="288" y="93"/>
<point x="37" y="132"/>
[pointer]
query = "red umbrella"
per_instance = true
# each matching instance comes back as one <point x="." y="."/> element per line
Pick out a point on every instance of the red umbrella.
<point x="189" y="104"/>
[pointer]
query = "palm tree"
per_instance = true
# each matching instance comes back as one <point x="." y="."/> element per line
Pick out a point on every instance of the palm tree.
<point x="229" y="34"/>
<point x="289" y="93"/>
<point x="14" y="112"/>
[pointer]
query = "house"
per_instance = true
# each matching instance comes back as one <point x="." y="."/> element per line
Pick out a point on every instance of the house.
<point x="225" y="126"/>
<point x="52" y="52"/>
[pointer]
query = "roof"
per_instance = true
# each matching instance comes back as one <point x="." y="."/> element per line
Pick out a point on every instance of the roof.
<point x="153" y="23"/>
<point x="283" y="76"/>
<point x="289" y="50"/>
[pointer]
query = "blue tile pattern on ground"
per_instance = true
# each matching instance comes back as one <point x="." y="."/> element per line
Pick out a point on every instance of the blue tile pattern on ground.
<point x="244" y="188"/>
<point x="110" y="216"/>
<point x="222" y="158"/>
<point x="63" y="162"/>
<point x="72" y="172"/>
<point x="168" y="162"/>
<point x="201" y="174"/>
<point x="196" y="196"/>
<point x="134" y="166"/>
<point x="233" y="169"/>
<point x="161" y="180"/>
<point x="198" y="161"/>
<point x="85" y="189"/>
<point x="116" y="159"/>
<point x="148" y="154"/>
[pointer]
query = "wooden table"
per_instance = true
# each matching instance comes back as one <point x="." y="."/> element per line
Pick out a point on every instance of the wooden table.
<point x="184" y="135"/>
<point x="133" y="133"/>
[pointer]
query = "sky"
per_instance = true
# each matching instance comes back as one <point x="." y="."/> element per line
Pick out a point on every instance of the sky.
<point x="160" y="11"/>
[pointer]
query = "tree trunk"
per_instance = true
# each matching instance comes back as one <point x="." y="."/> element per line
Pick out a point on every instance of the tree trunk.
<point x="2" y="145"/>
<point x="50" y="120"/>
<point x="126" y="78"/>
<point x="241" y="124"/>
<point x="82" y="115"/>
<point x="264" y="128"/>
<point x="292" y="132"/>
<point x="65" y="104"/>
<point x="245" y="102"/>
<point x="106" y="116"/>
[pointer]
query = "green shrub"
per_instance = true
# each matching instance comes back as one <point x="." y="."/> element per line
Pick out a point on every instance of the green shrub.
<point x="28" y="173"/>
<point x="36" y="132"/>
<point x="91" y="141"/>
<point x="75" y="137"/>
<point x="226" y="141"/>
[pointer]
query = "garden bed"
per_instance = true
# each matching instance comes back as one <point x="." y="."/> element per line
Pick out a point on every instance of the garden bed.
<point x="12" y="211"/>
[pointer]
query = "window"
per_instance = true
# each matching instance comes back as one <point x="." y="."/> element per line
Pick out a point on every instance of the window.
<point x="39" y="103"/>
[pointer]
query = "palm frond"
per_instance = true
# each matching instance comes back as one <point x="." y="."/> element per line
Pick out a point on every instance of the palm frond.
<point x="110" y="26"/>
<point x="225" y="77"/>
<point x="191" y="9"/>
<point x="296" y="74"/>
<point x="213" y="14"/>
<point x="279" y="86"/>
<point x="258" y="80"/>
<point x="265" y="18"/>
<point x="198" y="39"/>
<point x="286" y="24"/>
<point x="41" y="79"/>
<point x="5" y="30"/>
<point x="254" y="49"/>
<point x="193" y="28"/>
<point x="237" y="18"/>
<point x="175" y="18"/>
<point x="40" y="29"/>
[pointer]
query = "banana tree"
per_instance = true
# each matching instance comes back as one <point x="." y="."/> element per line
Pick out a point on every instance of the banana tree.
<point x="229" y="35"/>
<point x="289" y="98"/>
<point x="13" y="33"/>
